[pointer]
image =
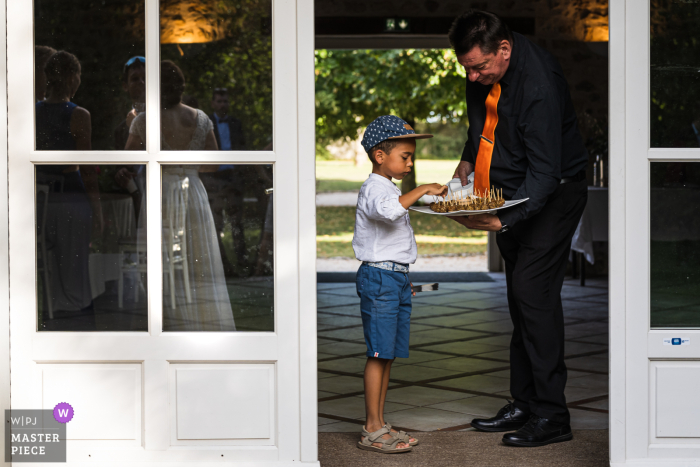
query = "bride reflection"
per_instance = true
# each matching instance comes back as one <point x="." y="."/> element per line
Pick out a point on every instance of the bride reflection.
<point x="195" y="295"/>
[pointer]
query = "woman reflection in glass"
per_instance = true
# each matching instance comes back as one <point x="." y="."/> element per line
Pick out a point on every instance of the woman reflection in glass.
<point x="75" y="207"/>
<point x="193" y="268"/>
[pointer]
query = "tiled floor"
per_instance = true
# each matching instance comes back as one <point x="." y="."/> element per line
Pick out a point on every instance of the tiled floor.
<point x="458" y="367"/>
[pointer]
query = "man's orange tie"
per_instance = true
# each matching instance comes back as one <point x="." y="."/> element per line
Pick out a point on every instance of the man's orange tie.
<point x="488" y="139"/>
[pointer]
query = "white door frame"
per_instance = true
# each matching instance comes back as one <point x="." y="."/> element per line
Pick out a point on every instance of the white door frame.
<point x="4" y="270"/>
<point x="290" y="351"/>
<point x="636" y="349"/>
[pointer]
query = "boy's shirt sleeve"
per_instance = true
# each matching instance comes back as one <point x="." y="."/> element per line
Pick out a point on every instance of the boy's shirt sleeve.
<point x="382" y="205"/>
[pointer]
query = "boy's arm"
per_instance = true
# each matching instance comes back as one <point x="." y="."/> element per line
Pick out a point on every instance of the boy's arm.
<point x="410" y="198"/>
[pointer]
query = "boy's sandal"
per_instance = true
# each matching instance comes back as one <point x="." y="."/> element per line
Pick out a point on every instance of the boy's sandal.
<point x="388" y="445"/>
<point x="402" y="435"/>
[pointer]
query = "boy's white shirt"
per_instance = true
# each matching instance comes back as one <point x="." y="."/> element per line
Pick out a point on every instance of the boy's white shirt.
<point x="382" y="227"/>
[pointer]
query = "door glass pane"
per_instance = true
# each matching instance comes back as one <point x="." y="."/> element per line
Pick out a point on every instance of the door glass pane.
<point x="85" y="93"/>
<point x="675" y="244"/>
<point x="91" y="247"/>
<point x="217" y="248"/>
<point x="216" y="75"/>
<point x="675" y="74"/>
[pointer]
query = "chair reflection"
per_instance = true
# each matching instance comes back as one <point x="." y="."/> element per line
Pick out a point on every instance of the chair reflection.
<point x="175" y="201"/>
<point x="133" y="250"/>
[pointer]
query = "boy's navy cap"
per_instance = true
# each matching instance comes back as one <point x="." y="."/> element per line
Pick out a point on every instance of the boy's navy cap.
<point x="388" y="127"/>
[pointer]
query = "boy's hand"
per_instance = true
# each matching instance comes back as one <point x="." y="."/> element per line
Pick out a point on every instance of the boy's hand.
<point x="410" y="198"/>
<point x="412" y="292"/>
<point x="435" y="189"/>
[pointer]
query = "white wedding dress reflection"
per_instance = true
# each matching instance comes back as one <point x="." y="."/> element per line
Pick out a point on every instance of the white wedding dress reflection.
<point x="201" y="296"/>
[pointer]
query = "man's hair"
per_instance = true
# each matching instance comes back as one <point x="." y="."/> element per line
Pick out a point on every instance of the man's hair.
<point x="219" y="92"/>
<point x="387" y="146"/>
<point x="478" y="28"/>
<point x="172" y="84"/>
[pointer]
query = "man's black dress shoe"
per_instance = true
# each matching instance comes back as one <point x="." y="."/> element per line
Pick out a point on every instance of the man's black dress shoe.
<point x="539" y="431"/>
<point x="509" y="418"/>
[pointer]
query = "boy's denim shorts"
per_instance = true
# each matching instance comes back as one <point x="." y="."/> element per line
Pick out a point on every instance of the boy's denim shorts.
<point x="386" y="311"/>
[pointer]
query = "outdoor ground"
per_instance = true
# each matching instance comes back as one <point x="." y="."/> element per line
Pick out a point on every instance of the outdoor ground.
<point x="458" y="369"/>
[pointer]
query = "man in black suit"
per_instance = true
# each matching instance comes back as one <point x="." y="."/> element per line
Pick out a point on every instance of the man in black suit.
<point x="524" y="139"/>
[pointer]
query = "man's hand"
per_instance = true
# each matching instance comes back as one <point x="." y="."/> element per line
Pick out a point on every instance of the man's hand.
<point x="414" y="294"/>
<point x="487" y="222"/>
<point x="464" y="169"/>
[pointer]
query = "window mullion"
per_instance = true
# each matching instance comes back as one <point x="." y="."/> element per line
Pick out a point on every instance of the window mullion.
<point x="155" y="263"/>
<point x="152" y="77"/>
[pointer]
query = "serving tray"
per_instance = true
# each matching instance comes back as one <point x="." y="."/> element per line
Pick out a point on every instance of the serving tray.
<point x="427" y="210"/>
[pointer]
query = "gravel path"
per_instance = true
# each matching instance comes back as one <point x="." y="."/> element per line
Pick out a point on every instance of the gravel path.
<point x="424" y="263"/>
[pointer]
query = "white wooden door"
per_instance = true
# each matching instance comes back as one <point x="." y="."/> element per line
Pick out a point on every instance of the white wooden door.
<point x="151" y="362"/>
<point x="655" y="219"/>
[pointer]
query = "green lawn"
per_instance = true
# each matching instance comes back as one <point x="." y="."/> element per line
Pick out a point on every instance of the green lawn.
<point x="435" y="235"/>
<point x="346" y="176"/>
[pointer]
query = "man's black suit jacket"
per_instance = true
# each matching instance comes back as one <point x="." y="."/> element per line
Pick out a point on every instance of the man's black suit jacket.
<point x="235" y="129"/>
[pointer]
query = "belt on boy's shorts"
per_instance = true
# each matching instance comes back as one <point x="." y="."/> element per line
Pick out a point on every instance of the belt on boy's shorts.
<point x="388" y="265"/>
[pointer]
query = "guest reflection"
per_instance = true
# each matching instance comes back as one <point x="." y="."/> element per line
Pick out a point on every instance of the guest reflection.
<point x="41" y="55"/>
<point x="225" y="186"/>
<point x="134" y="83"/>
<point x="74" y="201"/>
<point x="195" y="295"/>
<point x="227" y="129"/>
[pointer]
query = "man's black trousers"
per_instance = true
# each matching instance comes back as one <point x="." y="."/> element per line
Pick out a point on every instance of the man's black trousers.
<point x="536" y="251"/>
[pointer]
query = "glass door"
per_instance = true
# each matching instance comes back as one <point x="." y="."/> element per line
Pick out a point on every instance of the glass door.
<point x="661" y="193"/>
<point x="154" y="274"/>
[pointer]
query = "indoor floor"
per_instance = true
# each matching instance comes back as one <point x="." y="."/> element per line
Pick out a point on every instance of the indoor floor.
<point x="458" y="366"/>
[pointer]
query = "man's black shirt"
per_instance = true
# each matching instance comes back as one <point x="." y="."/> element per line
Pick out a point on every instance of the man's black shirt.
<point x="537" y="137"/>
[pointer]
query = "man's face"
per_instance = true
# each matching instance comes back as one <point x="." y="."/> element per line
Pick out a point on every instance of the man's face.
<point x="136" y="83"/>
<point x="486" y="68"/>
<point x="220" y="104"/>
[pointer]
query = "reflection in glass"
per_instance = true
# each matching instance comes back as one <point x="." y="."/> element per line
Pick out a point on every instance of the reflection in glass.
<point x="217" y="248"/>
<point x="675" y="74"/>
<point x="88" y="93"/>
<point x="675" y="244"/>
<point x="223" y="51"/>
<point x="91" y="248"/>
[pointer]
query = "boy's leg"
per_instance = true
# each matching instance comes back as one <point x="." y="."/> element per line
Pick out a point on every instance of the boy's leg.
<point x="379" y="324"/>
<point x="385" y="387"/>
<point x="375" y="369"/>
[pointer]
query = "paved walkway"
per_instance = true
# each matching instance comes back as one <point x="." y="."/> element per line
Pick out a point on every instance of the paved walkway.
<point x="458" y="367"/>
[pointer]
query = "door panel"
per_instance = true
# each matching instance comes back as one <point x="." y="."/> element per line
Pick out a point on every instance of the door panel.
<point x="107" y="397"/>
<point x="658" y="175"/>
<point x="150" y="382"/>
<point x="236" y="399"/>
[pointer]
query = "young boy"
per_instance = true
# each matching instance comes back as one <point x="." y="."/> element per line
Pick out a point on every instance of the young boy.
<point x="385" y="244"/>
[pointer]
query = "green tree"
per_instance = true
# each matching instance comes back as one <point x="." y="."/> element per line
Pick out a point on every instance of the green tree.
<point x="353" y="87"/>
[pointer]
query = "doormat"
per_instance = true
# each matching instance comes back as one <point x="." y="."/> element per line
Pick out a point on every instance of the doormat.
<point x="416" y="277"/>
